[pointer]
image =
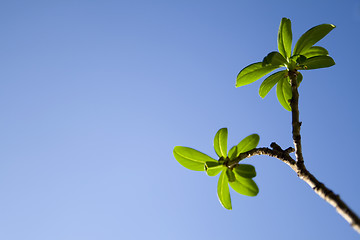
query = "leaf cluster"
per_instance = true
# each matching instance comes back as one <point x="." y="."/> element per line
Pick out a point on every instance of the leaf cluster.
<point x="305" y="56"/>
<point x="238" y="176"/>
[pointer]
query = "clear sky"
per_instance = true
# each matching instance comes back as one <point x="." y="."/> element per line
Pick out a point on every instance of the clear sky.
<point x="94" y="95"/>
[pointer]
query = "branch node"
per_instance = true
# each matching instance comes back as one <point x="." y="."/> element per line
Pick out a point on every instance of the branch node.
<point x="289" y="150"/>
<point x="276" y="147"/>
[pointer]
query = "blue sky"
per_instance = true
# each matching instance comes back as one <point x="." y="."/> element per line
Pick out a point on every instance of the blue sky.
<point x="94" y="95"/>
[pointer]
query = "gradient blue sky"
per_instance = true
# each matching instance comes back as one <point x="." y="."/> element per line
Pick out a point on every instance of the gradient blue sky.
<point x="94" y="95"/>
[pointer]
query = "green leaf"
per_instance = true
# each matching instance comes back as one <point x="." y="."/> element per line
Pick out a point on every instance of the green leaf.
<point x="230" y="175"/>
<point x="213" y="168"/>
<point x="285" y="38"/>
<point x="295" y="61"/>
<point x="223" y="191"/>
<point x="252" y="73"/>
<point x="233" y="153"/>
<point x="270" y="82"/>
<point x="311" y="37"/>
<point x="248" y="143"/>
<point x="245" y="186"/>
<point x="274" y="59"/>
<point x="191" y="158"/>
<point x="318" y="62"/>
<point x="220" y="142"/>
<point x="300" y="59"/>
<point x="315" y="51"/>
<point x="284" y="93"/>
<point x="245" y="170"/>
<point x="299" y="78"/>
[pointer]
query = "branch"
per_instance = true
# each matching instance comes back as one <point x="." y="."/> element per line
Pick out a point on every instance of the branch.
<point x="275" y="152"/>
<point x="296" y="124"/>
<point x="331" y="198"/>
<point x="320" y="189"/>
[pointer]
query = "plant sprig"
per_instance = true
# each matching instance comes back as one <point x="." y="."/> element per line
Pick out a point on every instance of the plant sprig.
<point x="239" y="176"/>
<point x="305" y="56"/>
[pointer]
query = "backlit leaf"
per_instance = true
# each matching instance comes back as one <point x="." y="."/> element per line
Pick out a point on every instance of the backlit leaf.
<point x="299" y="78"/>
<point x="245" y="186"/>
<point x="252" y="73"/>
<point x="223" y="191"/>
<point x="275" y="59"/>
<point x="220" y="142"/>
<point x="233" y="153"/>
<point x="285" y="38"/>
<point x="284" y="93"/>
<point x="311" y="37"/>
<point x="248" y="143"/>
<point x="315" y="51"/>
<point x="191" y="158"/>
<point x="297" y="59"/>
<point x="270" y="82"/>
<point x="245" y="170"/>
<point x="318" y="62"/>
<point x="230" y="175"/>
<point x="300" y="59"/>
<point x="213" y="168"/>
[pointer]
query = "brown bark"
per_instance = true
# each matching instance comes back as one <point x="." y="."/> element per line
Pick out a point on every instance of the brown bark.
<point x="320" y="189"/>
<point x="298" y="165"/>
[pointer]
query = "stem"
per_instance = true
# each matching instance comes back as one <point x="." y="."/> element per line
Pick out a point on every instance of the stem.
<point x="320" y="189"/>
<point x="296" y="124"/>
<point x="298" y="165"/>
<point x="331" y="198"/>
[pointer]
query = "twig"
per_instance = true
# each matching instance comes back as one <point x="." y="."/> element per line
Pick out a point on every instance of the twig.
<point x="319" y="188"/>
<point x="299" y="166"/>
<point x="296" y="124"/>
<point x="282" y="155"/>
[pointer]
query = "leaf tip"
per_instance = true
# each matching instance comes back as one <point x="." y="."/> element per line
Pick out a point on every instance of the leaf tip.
<point x="261" y="93"/>
<point x="239" y="84"/>
<point x="176" y="147"/>
<point x="285" y="19"/>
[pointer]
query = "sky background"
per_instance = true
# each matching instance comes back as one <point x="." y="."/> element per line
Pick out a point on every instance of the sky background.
<point x="94" y="95"/>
